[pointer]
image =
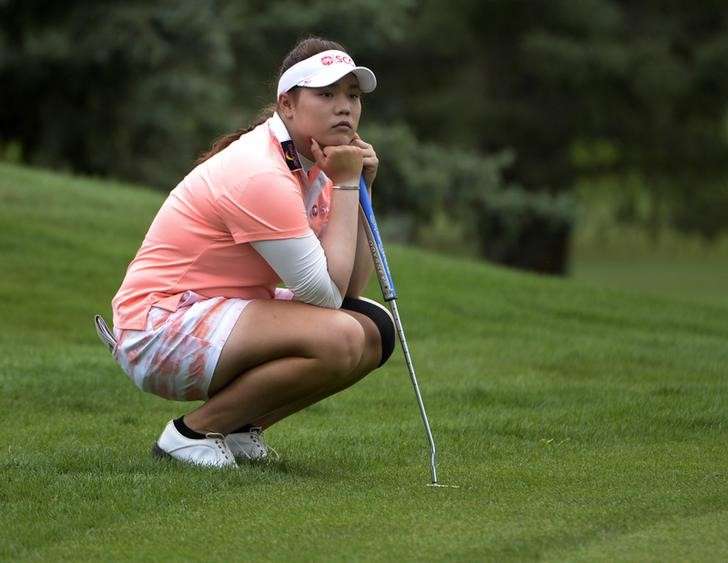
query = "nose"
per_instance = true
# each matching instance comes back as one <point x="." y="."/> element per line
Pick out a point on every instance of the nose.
<point x="343" y="105"/>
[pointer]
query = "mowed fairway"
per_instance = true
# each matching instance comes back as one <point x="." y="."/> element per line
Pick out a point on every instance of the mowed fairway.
<point x="578" y="423"/>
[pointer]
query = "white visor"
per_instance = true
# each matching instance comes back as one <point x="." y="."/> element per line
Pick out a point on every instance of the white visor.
<point x="323" y="69"/>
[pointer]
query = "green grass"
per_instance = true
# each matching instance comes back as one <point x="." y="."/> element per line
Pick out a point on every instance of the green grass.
<point x="580" y="423"/>
<point x="676" y="265"/>
<point x="691" y="278"/>
<point x="611" y="253"/>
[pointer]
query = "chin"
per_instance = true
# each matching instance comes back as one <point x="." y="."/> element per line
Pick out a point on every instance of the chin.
<point x="336" y="139"/>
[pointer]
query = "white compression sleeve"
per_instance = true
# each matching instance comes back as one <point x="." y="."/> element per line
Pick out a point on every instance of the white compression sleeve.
<point x="301" y="264"/>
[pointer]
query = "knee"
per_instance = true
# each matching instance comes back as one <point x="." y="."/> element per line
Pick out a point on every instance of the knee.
<point x="381" y="338"/>
<point x="344" y="349"/>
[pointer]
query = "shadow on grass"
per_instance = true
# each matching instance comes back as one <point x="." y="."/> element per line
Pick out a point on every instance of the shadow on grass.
<point x="88" y="462"/>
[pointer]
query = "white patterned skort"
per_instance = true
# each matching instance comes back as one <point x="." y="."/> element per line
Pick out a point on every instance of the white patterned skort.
<point x="176" y="355"/>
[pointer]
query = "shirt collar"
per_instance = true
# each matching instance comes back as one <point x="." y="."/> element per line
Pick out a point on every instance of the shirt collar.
<point x="294" y="159"/>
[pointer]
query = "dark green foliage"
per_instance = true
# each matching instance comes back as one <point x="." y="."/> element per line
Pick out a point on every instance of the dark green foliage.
<point x="137" y="90"/>
<point x="525" y="230"/>
<point x="420" y="177"/>
<point x="503" y="223"/>
<point x="703" y="211"/>
<point x="123" y="88"/>
<point x="647" y="79"/>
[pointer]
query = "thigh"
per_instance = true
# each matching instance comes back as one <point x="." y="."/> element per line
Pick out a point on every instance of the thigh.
<point x="270" y="329"/>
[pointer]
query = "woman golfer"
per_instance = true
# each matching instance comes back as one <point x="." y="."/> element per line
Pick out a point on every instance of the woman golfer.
<point x="199" y="314"/>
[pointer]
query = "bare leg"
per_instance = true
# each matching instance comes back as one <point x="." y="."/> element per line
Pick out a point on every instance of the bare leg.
<point x="278" y="355"/>
<point x="369" y="362"/>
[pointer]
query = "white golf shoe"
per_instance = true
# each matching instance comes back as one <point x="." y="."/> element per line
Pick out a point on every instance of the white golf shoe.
<point x="248" y="445"/>
<point x="210" y="451"/>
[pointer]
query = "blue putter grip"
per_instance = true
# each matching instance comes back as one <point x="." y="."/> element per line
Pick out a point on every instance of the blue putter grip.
<point x="375" y="244"/>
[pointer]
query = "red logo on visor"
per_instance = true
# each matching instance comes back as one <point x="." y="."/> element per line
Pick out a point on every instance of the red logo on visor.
<point x="328" y="60"/>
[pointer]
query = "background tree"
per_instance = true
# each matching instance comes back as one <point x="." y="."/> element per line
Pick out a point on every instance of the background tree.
<point x="124" y="89"/>
<point x="488" y="112"/>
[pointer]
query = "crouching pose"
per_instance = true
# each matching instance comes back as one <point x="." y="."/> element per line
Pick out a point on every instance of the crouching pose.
<point x="200" y="316"/>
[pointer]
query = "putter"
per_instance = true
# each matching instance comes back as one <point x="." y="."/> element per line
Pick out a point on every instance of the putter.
<point x="390" y="296"/>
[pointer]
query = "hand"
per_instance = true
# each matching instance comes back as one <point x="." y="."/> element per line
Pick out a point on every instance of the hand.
<point x="370" y="162"/>
<point x="342" y="163"/>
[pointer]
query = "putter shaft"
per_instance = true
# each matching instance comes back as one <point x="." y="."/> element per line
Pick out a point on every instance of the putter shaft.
<point x="413" y="378"/>
<point x="386" y="284"/>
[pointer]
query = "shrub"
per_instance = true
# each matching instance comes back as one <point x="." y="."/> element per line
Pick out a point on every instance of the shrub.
<point x="459" y="201"/>
<point x="526" y="230"/>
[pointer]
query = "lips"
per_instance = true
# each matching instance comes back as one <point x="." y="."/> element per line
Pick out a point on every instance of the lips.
<point x="342" y="124"/>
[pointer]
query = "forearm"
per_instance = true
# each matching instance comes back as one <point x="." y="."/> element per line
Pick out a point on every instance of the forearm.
<point x="301" y="265"/>
<point x="363" y="264"/>
<point x="340" y="238"/>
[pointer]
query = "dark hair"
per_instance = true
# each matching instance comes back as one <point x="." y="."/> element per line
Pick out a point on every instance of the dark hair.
<point x="304" y="49"/>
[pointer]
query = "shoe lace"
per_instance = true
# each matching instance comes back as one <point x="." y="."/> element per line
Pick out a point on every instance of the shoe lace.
<point x="219" y="440"/>
<point x="256" y="436"/>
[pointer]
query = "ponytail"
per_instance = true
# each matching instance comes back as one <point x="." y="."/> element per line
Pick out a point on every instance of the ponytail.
<point x="228" y="139"/>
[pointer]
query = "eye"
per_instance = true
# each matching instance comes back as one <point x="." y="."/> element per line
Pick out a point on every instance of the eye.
<point x="355" y="95"/>
<point x="326" y="94"/>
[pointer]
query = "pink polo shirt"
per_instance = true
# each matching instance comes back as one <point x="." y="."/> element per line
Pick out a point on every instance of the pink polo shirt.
<point x="200" y="239"/>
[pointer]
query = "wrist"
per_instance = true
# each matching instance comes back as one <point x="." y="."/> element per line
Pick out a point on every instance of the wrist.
<point x="351" y="181"/>
<point x="346" y="187"/>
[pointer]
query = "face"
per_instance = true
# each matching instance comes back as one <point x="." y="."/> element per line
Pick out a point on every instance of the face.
<point x="329" y="114"/>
